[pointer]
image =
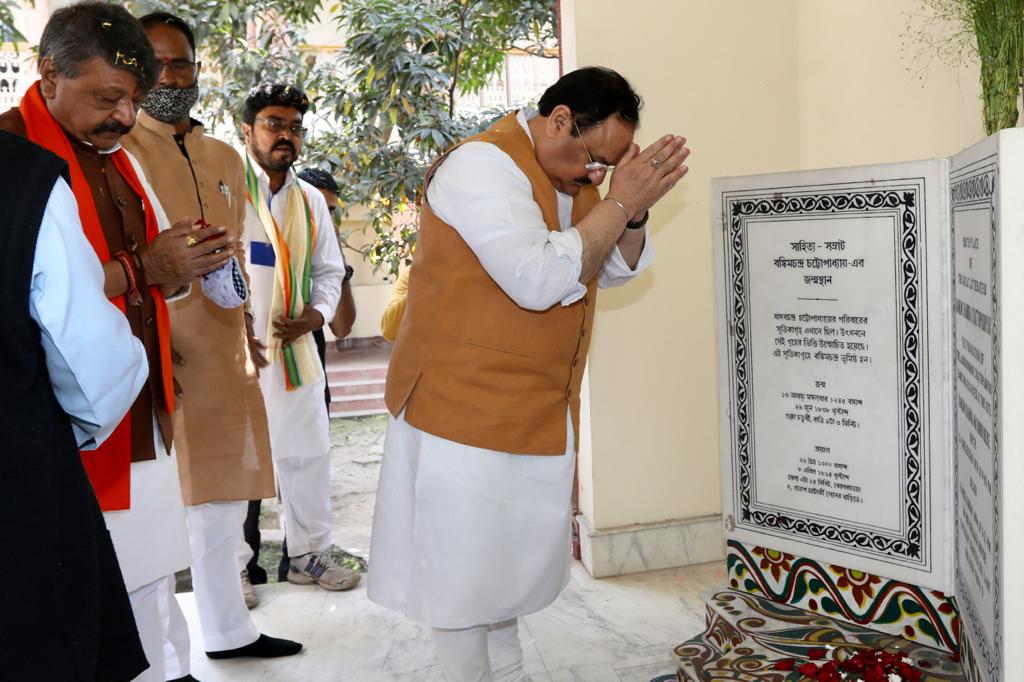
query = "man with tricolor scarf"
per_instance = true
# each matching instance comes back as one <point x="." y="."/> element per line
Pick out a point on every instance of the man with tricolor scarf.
<point x="95" y="66"/>
<point x="296" y="271"/>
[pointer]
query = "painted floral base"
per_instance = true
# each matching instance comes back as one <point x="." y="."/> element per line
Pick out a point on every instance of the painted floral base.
<point x="748" y="635"/>
<point x="897" y="608"/>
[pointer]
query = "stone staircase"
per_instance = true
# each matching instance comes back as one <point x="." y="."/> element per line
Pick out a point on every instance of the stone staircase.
<point x="356" y="377"/>
<point x="747" y="636"/>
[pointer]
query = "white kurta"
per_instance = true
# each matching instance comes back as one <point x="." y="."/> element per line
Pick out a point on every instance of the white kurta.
<point x="464" y="536"/>
<point x="151" y="538"/>
<point x="297" y="419"/>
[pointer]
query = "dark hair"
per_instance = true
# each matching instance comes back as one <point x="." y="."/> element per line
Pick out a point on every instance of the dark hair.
<point x="78" y="33"/>
<point x="593" y="93"/>
<point x="319" y="178"/>
<point x="273" y="95"/>
<point x="154" y="18"/>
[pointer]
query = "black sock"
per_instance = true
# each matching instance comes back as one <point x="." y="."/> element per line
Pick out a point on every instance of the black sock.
<point x="264" y="647"/>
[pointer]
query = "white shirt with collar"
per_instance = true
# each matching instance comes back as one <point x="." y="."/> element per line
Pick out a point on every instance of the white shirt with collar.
<point x="328" y="265"/>
<point x="298" y="419"/>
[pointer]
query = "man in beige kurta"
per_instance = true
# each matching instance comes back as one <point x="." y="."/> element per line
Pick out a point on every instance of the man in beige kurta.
<point x="221" y="426"/>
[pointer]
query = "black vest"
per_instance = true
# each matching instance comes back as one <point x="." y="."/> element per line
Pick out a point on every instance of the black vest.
<point x="64" y="614"/>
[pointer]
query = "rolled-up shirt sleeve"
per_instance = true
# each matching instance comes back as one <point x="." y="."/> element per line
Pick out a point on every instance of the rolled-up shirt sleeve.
<point x="488" y="200"/>
<point x="617" y="272"/>
<point x="96" y="365"/>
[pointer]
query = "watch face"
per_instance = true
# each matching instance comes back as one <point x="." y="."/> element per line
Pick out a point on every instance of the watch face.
<point x="349" y="271"/>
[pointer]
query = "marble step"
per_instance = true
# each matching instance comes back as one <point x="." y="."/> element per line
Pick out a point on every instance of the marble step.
<point x="746" y="636"/>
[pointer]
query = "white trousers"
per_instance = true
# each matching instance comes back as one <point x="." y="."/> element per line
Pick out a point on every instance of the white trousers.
<point x="486" y="653"/>
<point x="305" y="487"/>
<point x="215" y="531"/>
<point x="162" y="630"/>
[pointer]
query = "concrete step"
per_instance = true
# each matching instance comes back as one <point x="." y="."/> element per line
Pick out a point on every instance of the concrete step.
<point x="339" y="374"/>
<point x="746" y="632"/>
<point x="360" y="404"/>
<point x="341" y="389"/>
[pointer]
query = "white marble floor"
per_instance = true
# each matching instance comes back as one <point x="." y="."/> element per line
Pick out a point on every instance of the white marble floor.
<point x="611" y="630"/>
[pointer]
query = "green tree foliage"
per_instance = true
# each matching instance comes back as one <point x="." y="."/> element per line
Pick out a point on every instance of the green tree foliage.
<point x="9" y="33"/>
<point x="242" y="44"/>
<point x="384" y="105"/>
<point x="393" y="97"/>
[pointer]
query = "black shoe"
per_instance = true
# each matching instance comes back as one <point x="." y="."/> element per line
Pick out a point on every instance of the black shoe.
<point x="264" y="647"/>
<point x="187" y="678"/>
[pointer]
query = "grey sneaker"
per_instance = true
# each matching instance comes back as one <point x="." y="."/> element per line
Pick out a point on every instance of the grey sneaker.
<point x="320" y="568"/>
<point x="248" y="591"/>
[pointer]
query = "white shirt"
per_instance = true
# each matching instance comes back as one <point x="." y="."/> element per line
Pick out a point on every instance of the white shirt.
<point x="327" y="262"/>
<point x="481" y="192"/>
<point x="96" y="365"/>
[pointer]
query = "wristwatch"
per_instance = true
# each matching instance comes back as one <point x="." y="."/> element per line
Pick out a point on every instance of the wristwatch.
<point x="349" y="271"/>
<point x="640" y="223"/>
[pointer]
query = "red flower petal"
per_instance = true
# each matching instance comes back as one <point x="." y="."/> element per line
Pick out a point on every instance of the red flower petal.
<point x="815" y="654"/>
<point x="785" y="664"/>
<point x="809" y="670"/>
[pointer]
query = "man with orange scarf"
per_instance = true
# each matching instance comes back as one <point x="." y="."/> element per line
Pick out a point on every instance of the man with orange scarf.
<point x="95" y="66"/>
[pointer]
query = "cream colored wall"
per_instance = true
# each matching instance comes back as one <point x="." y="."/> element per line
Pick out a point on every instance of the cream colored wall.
<point x="868" y="94"/>
<point x="756" y="87"/>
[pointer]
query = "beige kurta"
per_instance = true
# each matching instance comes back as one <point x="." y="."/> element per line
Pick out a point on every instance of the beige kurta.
<point x="220" y="426"/>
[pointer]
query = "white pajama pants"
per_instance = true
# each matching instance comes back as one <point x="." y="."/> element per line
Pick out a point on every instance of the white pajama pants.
<point x="162" y="630"/>
<point x="305" y="487"/>
<point x="215" y="531"/>
<point x="486" y="653"/>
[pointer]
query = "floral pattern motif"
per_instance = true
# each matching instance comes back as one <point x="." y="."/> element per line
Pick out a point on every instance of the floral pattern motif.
<point x="897" y="608"/>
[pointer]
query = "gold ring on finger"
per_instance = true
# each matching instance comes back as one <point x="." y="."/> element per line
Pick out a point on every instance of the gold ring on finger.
<point x="191" y="241"/>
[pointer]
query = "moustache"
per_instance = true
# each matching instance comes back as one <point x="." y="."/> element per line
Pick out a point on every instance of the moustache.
<point x="285" y="145"/>
<point x="111" y="126"/>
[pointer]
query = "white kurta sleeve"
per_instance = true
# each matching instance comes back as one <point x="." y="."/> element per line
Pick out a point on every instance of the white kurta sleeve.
<point x="617" y="272"/>
<point x="488" y="200"/>
<point x="327" y="261"/>
<point x="96" y="365"/>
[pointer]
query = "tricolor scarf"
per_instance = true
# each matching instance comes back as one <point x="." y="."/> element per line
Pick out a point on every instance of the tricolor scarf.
<point x="293" y="273"/>
<point x="109" y="466"/>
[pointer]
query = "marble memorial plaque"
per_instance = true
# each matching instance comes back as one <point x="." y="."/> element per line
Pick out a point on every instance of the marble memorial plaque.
<point x="987" y="204"/>
<point x="832" y="330"/>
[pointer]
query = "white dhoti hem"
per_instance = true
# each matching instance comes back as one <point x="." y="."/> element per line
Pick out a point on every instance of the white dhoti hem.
<point x="464" y="536"/>
<point x="150" y="538"/>
<point x="215" y="531"/>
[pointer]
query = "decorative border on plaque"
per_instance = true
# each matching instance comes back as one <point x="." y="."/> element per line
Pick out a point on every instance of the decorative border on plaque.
<point x="902" y="201"/>
<point x="972" y="185"/>
<point x="747" y="635"/>
<point x="891" y="606"/>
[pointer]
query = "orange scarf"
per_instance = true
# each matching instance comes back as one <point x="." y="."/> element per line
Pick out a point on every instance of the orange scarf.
<point x="108" y="466"/>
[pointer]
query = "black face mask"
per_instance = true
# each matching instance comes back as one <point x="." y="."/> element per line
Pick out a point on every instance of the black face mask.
<point x="170" y="105"/>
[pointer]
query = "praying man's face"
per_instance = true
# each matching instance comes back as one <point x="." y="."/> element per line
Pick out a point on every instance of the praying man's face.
<point x="97" y="106"/>
<point x="271" y="139"/>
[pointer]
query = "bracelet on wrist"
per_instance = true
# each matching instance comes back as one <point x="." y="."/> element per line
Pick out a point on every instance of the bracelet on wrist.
<point x="618" y="203"/>
<point x="133" y="294"/>
<point x="640" y="223"/>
